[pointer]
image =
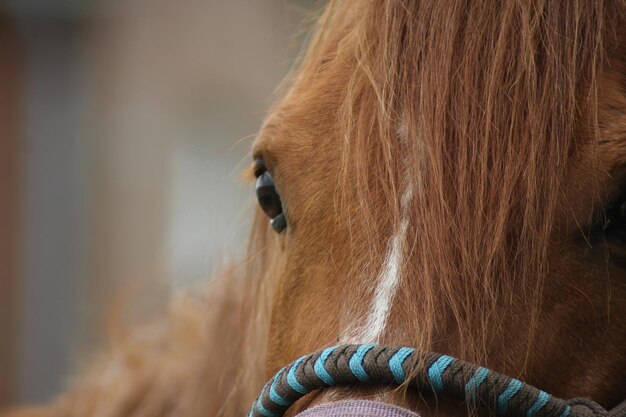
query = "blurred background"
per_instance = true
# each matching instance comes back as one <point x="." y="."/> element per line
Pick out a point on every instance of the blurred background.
<point x="124" y="126"/>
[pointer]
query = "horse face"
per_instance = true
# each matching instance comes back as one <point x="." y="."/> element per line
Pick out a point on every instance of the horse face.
<point x="452" y="199"/>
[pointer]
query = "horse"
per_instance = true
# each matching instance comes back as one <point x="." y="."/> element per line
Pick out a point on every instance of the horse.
<point x="444" y="175"/>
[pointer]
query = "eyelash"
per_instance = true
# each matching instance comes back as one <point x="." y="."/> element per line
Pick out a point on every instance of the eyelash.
<point x="614" y="220"/>
<point x="259" y="167"/>
<point x="611" y="223"/>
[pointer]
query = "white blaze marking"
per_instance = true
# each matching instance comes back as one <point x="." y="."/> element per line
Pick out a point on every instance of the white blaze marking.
<point x="387" y="283"/>
<point x="390" y="274"/>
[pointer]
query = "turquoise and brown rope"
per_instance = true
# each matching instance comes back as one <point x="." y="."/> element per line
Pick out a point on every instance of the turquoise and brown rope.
<point x="383" y="365"/>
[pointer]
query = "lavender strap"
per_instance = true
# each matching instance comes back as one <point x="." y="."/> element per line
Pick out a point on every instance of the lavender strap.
<point x="357" y="408"/>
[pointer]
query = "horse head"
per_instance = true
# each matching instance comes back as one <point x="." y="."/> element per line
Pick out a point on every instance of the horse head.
<point x="450" y="177"/>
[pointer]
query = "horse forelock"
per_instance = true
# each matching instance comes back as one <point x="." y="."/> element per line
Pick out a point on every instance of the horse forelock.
<point x="455" y="132"/>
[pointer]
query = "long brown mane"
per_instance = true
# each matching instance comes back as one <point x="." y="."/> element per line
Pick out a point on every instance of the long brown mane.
<point x="487" y="99"/>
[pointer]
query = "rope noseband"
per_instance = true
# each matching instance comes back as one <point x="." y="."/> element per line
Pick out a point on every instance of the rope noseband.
<point x="442" y="374"/>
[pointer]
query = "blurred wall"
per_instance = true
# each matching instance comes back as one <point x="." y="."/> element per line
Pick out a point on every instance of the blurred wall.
<point x="10" y="85"/>
<point x="130" y="117"/>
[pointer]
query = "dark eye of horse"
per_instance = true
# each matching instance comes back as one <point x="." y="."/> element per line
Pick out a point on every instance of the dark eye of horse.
<point x="269" y="200"/>
<point x="614" y="227"/>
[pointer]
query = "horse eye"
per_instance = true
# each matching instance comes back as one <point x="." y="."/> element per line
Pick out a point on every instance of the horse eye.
<point x="269" y="200"/>
<point x="615" y="222"/>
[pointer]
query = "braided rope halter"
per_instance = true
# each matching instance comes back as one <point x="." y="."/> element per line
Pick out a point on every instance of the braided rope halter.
<point x="442" y="374"/>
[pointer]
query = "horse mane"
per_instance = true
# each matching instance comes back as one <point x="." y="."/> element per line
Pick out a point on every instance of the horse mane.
<point x="475" y="106"/>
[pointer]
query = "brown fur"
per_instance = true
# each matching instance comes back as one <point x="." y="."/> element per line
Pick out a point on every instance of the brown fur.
<point x="505" y="109"/>
<point x="508" y="121"/>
